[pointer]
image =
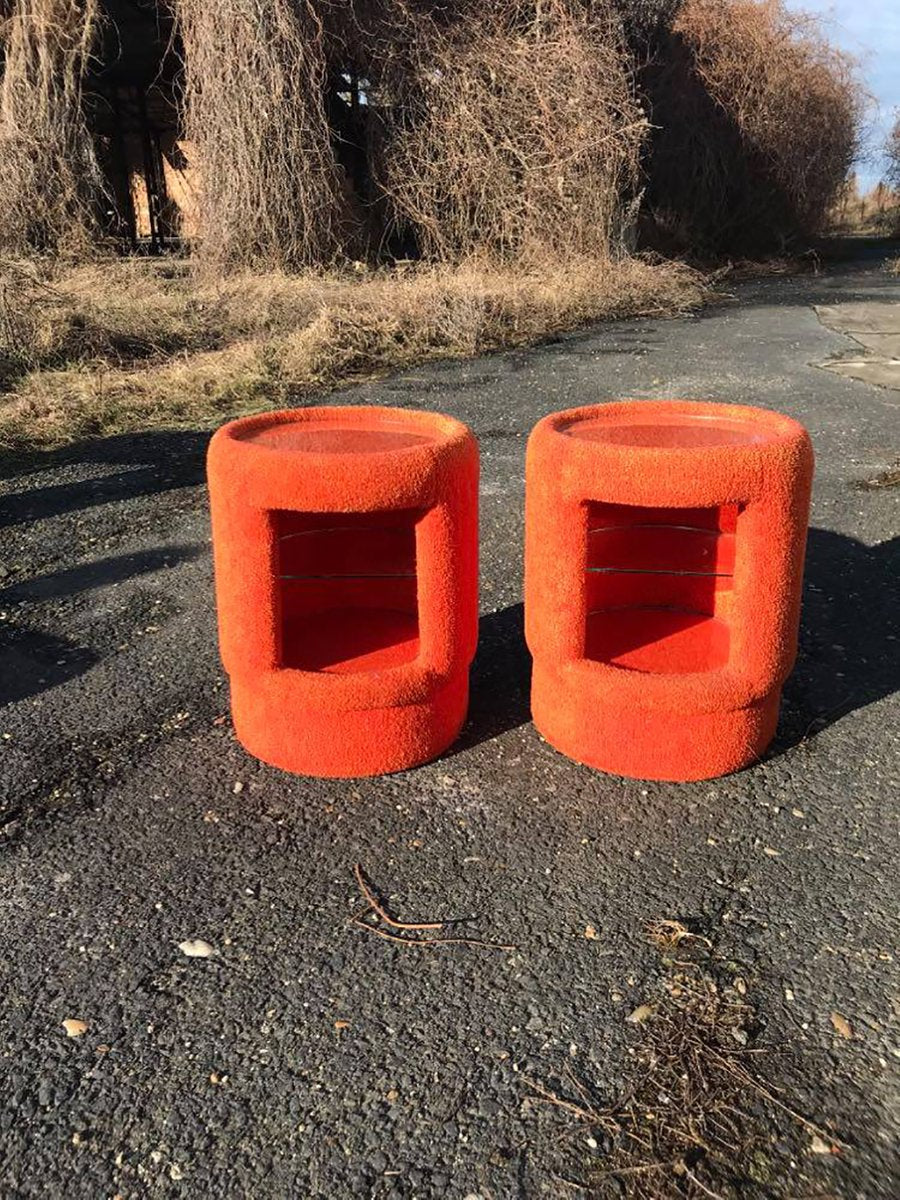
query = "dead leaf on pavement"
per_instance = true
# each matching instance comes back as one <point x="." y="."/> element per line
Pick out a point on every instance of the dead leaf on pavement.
<point x="640" y="1014"/>
<point x="590" y="933"/>
<point x="842" y="1025"/>
<point x="197" y="948"/>
<point x="73" y="1027"/>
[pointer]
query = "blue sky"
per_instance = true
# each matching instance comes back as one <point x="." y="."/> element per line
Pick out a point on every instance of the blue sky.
<point x="869" y="29"/>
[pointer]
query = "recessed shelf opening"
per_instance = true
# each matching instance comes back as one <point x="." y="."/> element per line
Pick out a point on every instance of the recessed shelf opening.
<point x="659" y="586"/>
<point x="347" y="590"/>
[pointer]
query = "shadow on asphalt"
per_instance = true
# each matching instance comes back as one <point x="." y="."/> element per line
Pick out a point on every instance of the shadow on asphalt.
<point x="98" y="574"/>
<point x="151" y="463"/>
<point x="849" y="654"/>
<point x="34" y="660"/>
<point x="500" y="682"/>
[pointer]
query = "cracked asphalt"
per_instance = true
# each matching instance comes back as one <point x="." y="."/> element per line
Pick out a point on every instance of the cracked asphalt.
<point x="307" y="1059"/>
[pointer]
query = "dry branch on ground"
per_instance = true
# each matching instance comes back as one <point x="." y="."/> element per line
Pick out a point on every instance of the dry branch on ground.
<point x="698" y="1117"/>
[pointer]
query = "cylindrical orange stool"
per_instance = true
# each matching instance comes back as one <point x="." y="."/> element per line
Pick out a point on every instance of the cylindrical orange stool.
<point x="663" y="568"/>
<point x="346" y="556"/>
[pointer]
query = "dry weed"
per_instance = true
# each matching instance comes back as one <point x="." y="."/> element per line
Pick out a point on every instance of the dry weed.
<point x="134" y="345"/>
<point x="889" y="478"/>
<point x="876" y="211"/>
<point x="697" y="1118"/>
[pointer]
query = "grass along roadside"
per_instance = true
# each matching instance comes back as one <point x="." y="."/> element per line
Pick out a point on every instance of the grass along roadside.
<point x="127" y="344"/>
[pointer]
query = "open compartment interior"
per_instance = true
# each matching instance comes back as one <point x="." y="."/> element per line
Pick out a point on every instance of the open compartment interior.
<point x="659" y="586"/>
<point x="347" y="590"/>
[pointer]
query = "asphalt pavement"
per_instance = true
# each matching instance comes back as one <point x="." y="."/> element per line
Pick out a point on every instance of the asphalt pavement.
<point x="304" y="1058"/>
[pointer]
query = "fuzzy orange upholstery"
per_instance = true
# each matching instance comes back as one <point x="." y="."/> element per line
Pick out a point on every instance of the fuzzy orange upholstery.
<point x="346" y="553"/>
<point x="663" y="567"/>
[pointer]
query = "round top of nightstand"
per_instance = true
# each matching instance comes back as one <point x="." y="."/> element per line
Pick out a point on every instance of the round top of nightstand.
<point x="340" y="458"/>
<point x="345" y="431"/>
<point x="673" y="425"/>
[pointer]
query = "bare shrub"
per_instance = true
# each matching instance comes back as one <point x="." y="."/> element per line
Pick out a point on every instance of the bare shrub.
<point x="758" y="125"/>
<point x="875" y="211"/>
<point x="523" y="137"/>
<point x="892" y="153"/>
<point x="51" y="181"/>
<point x="272" y="194"/>
<point x="645" y="20"/>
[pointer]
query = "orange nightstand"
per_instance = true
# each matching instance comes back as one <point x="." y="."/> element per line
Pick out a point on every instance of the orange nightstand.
<point x="346" y="555"/>
<point x="664" y="561"/>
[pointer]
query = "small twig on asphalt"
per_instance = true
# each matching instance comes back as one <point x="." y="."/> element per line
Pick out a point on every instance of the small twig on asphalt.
<point x="702" y="1186"/>
<point x="408" y="941"/>
<point x="584" y="1114"/>
<point x="373" y="903"/>
<point x="580" y="1089"/>
<point x="643" y="1169"/>
<point x="571" y="1183"/>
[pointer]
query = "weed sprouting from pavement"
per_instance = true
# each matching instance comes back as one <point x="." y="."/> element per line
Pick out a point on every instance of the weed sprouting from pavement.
<point x="887" y="479"/>
<point x="697" y="1117"/>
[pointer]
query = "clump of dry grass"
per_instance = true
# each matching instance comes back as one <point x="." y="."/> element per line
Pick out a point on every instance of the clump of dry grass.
<point x="875" y="211"/>
<point x="53" y="315"/>
<point x="133" y="345"/>
<point x="697" y="1118"/>
<point x="50" y="176"/>
<point x="891" y="477"/>
<point x="758" y="120"/>
<point x="524" y="135"/>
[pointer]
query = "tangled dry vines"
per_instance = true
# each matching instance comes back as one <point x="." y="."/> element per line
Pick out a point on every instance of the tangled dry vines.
<point x="525" y="139"/>
<point x="51" y="181"/>
<point x="255" y="110"/>
<point x="757" y="117"/>
<point x="329" y="130"/>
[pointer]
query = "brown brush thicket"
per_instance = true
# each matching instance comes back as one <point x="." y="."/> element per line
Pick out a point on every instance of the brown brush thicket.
<point x="490" y="132"/>
<point x="326" y="130"/>
<point x="272" y="195"/>
<point x="524" y="135"/>
<point x="50" y="179"/>
<point x="139" y="343"/>
<point x="757" y="122"/>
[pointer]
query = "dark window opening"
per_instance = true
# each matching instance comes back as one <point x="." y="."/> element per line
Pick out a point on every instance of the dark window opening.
<point x="347" y="106"/>
<point x="659" y="586"/>
<point x="347" y="590"/>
